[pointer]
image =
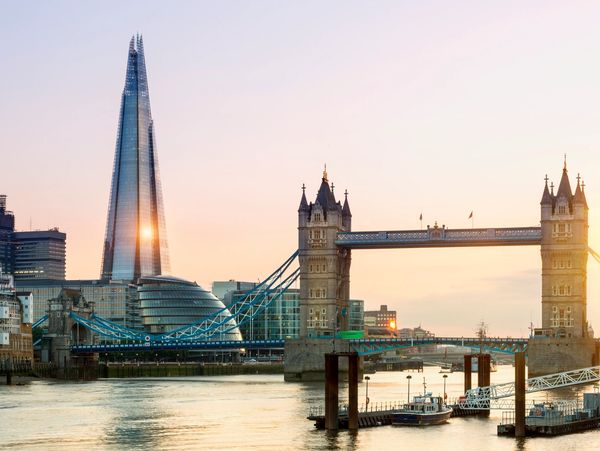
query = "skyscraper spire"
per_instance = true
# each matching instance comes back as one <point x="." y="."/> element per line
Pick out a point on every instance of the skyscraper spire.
<point x="135" y="243"/>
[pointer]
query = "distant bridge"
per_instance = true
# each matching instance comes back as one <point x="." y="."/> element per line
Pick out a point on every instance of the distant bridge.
<point x="363" y="346"/>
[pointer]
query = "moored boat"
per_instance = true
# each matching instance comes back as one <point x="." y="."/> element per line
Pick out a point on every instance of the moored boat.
<point x="425" y="410"/>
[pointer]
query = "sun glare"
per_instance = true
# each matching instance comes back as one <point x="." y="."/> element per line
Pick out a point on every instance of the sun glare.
<point x="147" y="233"/>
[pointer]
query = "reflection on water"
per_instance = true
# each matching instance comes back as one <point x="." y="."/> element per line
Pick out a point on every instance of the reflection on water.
<point x="240" y="412"/>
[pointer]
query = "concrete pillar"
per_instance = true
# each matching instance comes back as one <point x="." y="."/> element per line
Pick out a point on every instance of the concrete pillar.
<point x="519" y="394"/>
<point x="353" y="391"/>
<point x="331" y="391"/>
<point x="468" y="359"/>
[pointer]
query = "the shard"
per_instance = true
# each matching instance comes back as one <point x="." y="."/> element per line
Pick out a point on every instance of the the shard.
<point x="135" y="244"/>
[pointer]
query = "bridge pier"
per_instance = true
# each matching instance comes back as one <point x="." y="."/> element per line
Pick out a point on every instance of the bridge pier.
<point x="519" y="394"/>
<point x="332" y="379"/>
<point x="468" y="360"/>
<point x="304" y="361"/>
<point x="331" y="391"/>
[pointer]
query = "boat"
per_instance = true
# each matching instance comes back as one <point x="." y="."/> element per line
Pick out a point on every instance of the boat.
<point x="544" y="414"/>
<point x="425" y="410"/>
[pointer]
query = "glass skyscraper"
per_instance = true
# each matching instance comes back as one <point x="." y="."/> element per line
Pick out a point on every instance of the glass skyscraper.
<point x="135" y="243"/>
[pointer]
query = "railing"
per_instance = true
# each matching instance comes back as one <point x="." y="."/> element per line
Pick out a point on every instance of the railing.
<point x="480" y="397"/>
<point x="375" y="407"/>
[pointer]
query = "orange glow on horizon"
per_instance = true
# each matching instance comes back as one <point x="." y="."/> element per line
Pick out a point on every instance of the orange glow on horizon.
<point x="392" y="324"/>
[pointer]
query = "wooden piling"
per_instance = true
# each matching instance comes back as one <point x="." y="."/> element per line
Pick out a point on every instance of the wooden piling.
<point x="483" y="370"/>
<point x="353" y="391"/>
<point x="331" y="391"/>
<point x="519" y="394"/>
<point x="467" y="361"/>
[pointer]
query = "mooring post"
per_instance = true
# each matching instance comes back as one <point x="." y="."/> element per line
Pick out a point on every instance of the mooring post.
<point x="468" y="359"/>
<point x="353" y="391"/>
<point x="331" y="391"/>
<point x="9" y="368"/>
<point x="483" y="375"/>
<point x="483" y="370"/>
<point x="519" y="394"/>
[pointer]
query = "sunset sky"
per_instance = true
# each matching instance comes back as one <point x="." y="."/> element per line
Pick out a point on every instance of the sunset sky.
<point x="436" y="107"/>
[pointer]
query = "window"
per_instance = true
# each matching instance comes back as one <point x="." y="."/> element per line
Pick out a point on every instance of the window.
<point x="562" y="209"/>
<point x="323" y="268"/>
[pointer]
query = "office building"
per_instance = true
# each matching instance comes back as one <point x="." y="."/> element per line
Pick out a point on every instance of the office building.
<point x="7" y="227"/>
<point x="39" y="254"/>
<point x="135" y="242"/>
<point x="168" y="303"/>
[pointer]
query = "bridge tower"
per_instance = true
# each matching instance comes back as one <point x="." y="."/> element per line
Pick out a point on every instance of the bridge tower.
<point x="63" y="331"/>
<point x="324" y="269"/>
<point x="564" y="341"/>
<point x="324" y="284"/>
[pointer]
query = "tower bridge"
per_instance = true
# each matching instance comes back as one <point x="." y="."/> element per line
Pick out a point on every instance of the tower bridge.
<point x="325" y="244"/>
<point x="326" y="241"/>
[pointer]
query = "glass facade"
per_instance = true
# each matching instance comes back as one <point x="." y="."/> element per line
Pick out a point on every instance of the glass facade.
<point x="356" y="321"/>
<point x="39" y="255"/>
<point x="7" y="227"/>
<point x="167" y="303"/>
<point x="135" y="243"/>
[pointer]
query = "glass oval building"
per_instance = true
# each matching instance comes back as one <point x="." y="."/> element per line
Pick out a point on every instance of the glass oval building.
<point x="168" y="303"/>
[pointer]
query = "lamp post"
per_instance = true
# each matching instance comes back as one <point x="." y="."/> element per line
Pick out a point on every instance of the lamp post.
<point x="445" y="396"/>
<point x="408" y="378"/>
<point x="367" y="378"/>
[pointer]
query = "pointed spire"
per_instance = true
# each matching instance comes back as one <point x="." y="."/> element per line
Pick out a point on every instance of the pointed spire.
<point x="346" y="210"/>
<point x="579" y="196"/>
<point x="325" y="174"/>
<point x="303" y="202"/>
<point x="546" y="196"/>
<point x="564" y="188"/>
<point x="132" y="44"/>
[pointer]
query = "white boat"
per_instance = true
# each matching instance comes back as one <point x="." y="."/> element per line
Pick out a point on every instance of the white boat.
<point x="425" y="410"/>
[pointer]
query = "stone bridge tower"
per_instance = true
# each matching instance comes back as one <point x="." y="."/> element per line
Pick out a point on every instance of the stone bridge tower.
<point x="64" y="332"/>
<point x="565" y="340"/>
<point x="324" y="285"/>
<point x="324" y="269"/>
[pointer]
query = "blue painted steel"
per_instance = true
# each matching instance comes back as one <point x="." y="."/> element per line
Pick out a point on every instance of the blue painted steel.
<point x="364" y="346"/>
<point x="176" y="345"/>
<point x="245" y="309"/>
<point x="367" y="346"/>
<point x="40" y="321"/>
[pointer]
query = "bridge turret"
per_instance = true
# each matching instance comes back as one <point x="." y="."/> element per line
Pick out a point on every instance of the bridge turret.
<point x="346" y="214"/>
<point x="324" y="271"/>
<point x="547" y="202"/>
<point x="564" y="249"/>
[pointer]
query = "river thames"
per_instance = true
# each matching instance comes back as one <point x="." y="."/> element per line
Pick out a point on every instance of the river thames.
<point x="258" y="412"/>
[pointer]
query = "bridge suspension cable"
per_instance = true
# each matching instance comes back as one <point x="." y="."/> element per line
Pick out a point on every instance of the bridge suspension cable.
<point x="594" y="254"/>
<point x="226" y="319"/>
